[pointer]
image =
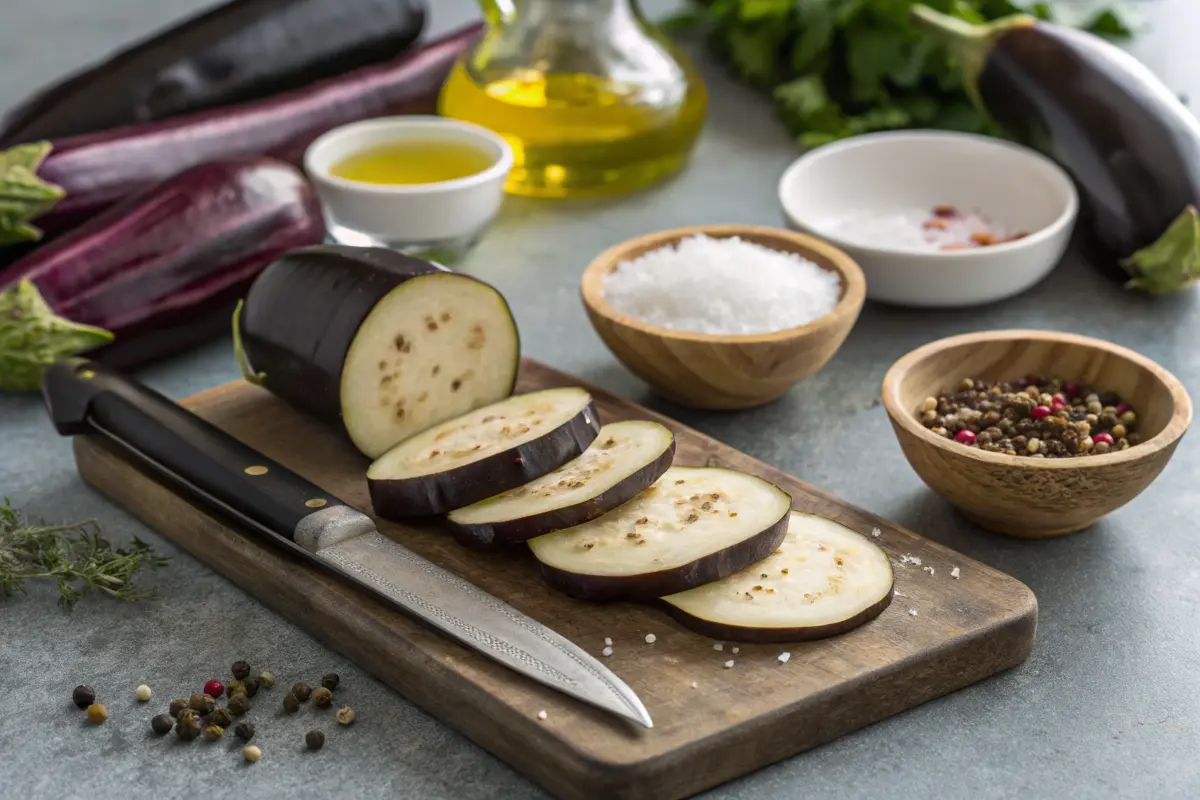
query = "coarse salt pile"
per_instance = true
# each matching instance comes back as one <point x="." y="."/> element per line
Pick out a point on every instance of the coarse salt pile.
<point x="722" y="286"/>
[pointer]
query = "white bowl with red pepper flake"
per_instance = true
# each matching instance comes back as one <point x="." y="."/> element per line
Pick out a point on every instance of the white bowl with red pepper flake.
<point x="935" y="218"/>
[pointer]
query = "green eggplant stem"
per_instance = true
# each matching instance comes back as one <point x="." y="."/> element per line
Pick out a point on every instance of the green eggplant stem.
<point x="497" y="12"/>
<point x="32" y="337"/>
<point x="1171" y="262"/>
<point x="969" y="44"/>
<point x="239" y="352"/>
<point x="23" y="195"/>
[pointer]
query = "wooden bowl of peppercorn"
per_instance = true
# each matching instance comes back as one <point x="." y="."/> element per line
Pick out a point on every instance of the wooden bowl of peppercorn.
<point x="718" y="371"/>
<point x="1019" y="450"/>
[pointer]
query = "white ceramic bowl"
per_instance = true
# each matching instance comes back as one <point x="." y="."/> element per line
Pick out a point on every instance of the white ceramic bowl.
<point x="894" y="172"/>
<point x="448" y="216"/>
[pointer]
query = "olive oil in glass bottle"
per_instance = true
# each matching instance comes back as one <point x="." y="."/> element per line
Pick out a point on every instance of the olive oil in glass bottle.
<point x="591" y="97"/>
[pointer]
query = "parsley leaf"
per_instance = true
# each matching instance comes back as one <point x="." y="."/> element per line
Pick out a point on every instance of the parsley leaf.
<point x="836" y="68"/>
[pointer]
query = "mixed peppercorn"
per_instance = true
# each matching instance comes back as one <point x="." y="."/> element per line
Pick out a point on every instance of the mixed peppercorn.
<point x="201" y="716"/>
<point x="1032" y="417"/>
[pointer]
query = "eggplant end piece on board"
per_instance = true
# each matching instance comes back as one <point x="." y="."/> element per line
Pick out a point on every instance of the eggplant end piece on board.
<point x="692" y="526"/>
<point x="825" y="579"/>
<point x="377" y="343"/>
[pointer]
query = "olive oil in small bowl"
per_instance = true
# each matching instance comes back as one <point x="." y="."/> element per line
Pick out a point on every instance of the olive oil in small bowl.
<point x="427" y="186"/>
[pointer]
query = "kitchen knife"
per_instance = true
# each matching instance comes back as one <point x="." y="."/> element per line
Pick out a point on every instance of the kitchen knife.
<point x="84" y="397"/>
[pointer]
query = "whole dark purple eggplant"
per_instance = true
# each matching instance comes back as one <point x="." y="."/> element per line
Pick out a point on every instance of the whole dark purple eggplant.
<point x="1131" y="146"/>
<point x="155" y="274"/>
<point x="92" y="172"/>
<point x="240" y="50"/>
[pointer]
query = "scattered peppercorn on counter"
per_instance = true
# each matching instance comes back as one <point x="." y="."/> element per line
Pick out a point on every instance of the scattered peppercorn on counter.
<point x="201" y="716"/>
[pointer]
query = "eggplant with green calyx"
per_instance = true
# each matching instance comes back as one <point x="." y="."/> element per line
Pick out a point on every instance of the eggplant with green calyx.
<point x="157" y="273"/>
<point x="488" y="450"/>
<point x="824" y="580"/>
<point x="624" y="459"/>
<point x="379" y="344"/>
<point x="693" y="526"/>
<point x="241" y="50"/>
<point x="51" y="187"/>
<point x="1126" y="139"/>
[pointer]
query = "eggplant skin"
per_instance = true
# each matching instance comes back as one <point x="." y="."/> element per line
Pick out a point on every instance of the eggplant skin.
<point x="98" y="170"/>
<point x="751" y="635"/>
<point x="427" y="495"/>
<point x="490" y="535"/>
<point x="163" y="269"/>
<point x="303" y="312"/>
<point x="1129" y="143"/>
<point x="241" y="50"/>
<point x="653" y="585"/>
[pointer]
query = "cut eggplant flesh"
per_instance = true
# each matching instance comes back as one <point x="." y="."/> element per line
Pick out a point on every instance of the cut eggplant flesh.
<point x="824" y="579"/>
<point x="625" y="458"/>
<point x="692" y="526"/>
<point x="378" y="343"/>
<point x="433" y="348"/>
<point x="489" y="450"/>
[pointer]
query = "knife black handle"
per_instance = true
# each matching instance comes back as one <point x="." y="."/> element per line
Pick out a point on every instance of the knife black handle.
<point x="84" y="396"/>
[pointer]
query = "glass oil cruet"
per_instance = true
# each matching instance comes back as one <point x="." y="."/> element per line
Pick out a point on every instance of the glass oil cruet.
<point x="591" y="97"/>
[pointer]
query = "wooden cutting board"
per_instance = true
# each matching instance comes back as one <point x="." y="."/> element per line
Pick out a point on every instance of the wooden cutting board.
<point x="712" y="724"/>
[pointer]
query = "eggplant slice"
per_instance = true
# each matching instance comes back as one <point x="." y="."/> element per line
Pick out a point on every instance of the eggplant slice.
<point x="489" y="450"/>
<point x="692" y="526"/>
<point x="625" y="458"/>
<point x="824" y="579"/>
<point x="379" y="343"/>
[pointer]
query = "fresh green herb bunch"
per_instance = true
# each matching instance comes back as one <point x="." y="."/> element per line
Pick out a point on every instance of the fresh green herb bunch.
<point x="69" y="555"/>
<point x="838" y="68"/>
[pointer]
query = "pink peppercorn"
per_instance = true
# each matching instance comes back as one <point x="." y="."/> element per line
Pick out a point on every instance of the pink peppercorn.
<point x="1058" y="403"/>
<point x="1102" y="437"/>
<point x="1039" y="412"/>
<point x="214" y="688"/>
<point x="1122" y="408"/>
<point x="1071" y="389"/>
<point x="965" y="437"/>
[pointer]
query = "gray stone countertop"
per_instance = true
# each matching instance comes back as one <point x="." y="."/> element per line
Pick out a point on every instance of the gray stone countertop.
<point x="1105" y="707"/>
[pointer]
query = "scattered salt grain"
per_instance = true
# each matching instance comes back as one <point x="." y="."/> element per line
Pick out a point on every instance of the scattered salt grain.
<point x="876" y="532"/>
<point x="912" y="611"/>
<point x="650" y="638"/>
<point x="898" y="594"/>
<point x="907" y="559"/>
<point x="718" y="647"/>
<point x="784" y="657"/>
<point x="607" y="641"/>
<point x="929" y="570"/>
<point x="542" y="715"/>
<point x="607" y="651"/>
<point x="735" y="651"/>
<point x="954" y="573"/>
<point x="729" y="664"/>
<point x="694" y="684"/>
<point x="725" y="285"/>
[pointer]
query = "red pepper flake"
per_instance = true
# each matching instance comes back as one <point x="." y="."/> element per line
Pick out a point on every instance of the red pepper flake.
<point x="935" y="225"/>
<point x="981" y="238"/>
<point x="945" y="211"/>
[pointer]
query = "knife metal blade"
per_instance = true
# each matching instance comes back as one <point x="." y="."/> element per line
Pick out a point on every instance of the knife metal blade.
<point x="85" y="397"/>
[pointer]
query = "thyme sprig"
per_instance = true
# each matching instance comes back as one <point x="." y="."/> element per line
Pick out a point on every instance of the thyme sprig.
<point x="76" y="557"/>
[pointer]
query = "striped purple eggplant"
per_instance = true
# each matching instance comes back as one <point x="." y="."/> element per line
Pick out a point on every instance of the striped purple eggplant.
<point x="157" y="273"/>
<point x="89" y="173"/>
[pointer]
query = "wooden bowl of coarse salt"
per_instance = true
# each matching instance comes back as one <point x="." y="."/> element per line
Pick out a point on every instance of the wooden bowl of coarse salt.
<point x="725" y="316"/>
